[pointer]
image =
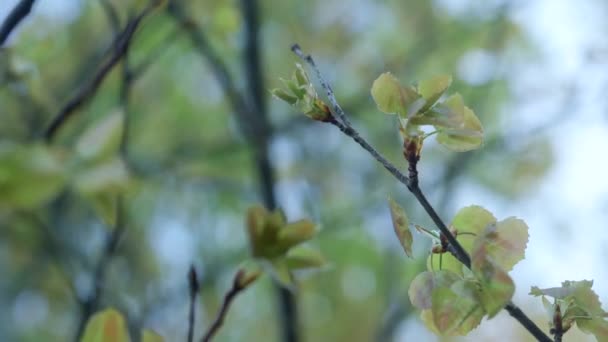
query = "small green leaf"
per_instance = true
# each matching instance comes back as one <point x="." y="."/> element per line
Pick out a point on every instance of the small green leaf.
<point x="279" y="270"/>
<point x="467" y="135"/>
<point x="111" y="177"/>
<point x="148" y="335"/>
<point x="284" y="95"/>
<point x="300" y="93"/>
<point x="30" y="175"/>
<point x="401" y="226"/>
<point x="595" y="326"/>
<point x="106" y="326"/>
<point x="300" y="76"/>
<point x="390" y="96"/>
<point x="295" y="233"/>
<point x="456" y="312"/>
<point x="497" y="287"/>
<point x="304" y="257"/>
<point x="506" y="242"/>
<point x="102" y="140"/>
<point x="433" y="88"/>
<point x="421" y="288"/>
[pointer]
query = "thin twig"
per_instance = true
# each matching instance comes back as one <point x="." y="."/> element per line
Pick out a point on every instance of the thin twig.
<point x="330" y="93"/>
<point x="194" y="288"/>
<point x="413" y="187"/>
<point x="121" y="44"/>
<point x="18" y="13"/>
<point x="238" y="285"/>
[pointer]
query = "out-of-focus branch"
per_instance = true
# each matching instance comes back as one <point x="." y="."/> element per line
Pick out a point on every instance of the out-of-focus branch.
<point x="121" y="45"/>
<point x="241" y="282"/>
<point x="218" y="67"/>
<point x="250" y="110"/>
<point x="194" y="288"/>
<point x="17" y="14"/>
<point x="90" y="304"/>
<point x="411" y="183"/>
<point x="266" y="175"/>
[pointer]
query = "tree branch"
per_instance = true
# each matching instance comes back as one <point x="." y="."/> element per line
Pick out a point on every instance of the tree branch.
<point x="194" y="288"/>
<point x="121" y="44"/>
<point x="412" y="185"/>
<point x="218" y="68"/>
<point x="266" y="175"/>
<point x="17" y="14"/>
<point x="240" y="283"/>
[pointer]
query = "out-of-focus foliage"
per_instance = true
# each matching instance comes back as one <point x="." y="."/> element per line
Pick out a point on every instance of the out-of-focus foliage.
<point x="575" y="302"/>
<point x="185" y="177"/>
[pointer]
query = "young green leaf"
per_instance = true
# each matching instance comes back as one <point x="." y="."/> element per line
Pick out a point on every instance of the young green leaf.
<point x="433" y="88"/>
<point x="295" y="233"/>
<point x="497" y="287"/>
<point x="466" y="136"/>
<point x="279" y="270"/>
<point x="300" y="93"/>
<point x="102" y="140"/>
<point x="106" y="326"/>
<point x="30" y="175"/>
<point x="111" y="176"/>
<point x="390" y="96"/>
<point x="506" y="242"/>
<point x="422" y="287"/>
<point x="401" y="226"/>
<point x="456" y="313"/>
<point x="304" y="257"/>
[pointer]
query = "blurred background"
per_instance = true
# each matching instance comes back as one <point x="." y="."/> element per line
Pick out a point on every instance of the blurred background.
<point x="535" y="72"/>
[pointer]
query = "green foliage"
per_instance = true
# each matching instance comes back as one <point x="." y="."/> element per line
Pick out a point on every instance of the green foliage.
<point x="575" y="302"/>
<point x="109" y="325"/>
<point x="454" y="299"/>
<point x="455" y="124"/>
<point x="277" y="243"/>
<point x="300" y="93"/>
<point x="30" y="175"/>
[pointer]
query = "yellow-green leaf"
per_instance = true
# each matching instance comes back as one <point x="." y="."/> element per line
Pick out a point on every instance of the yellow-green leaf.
<point x="30" y="175"/>
<point x="496" y="286"/>
<point x="106" y="326"/>
<point x="390" y="96"/>
<point x="433" y="88"/>
<point x="401" y="226"/>
<point x="421" y="288"/>
<point x="466" y="132"/>
<point x="111" y="176"/>
<point x="304" y="257"/>
<point x="455" y="310"/>
<point x="102" y="139"/>
<point x="295" y="233"/>
<point x="148" y="335"/>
